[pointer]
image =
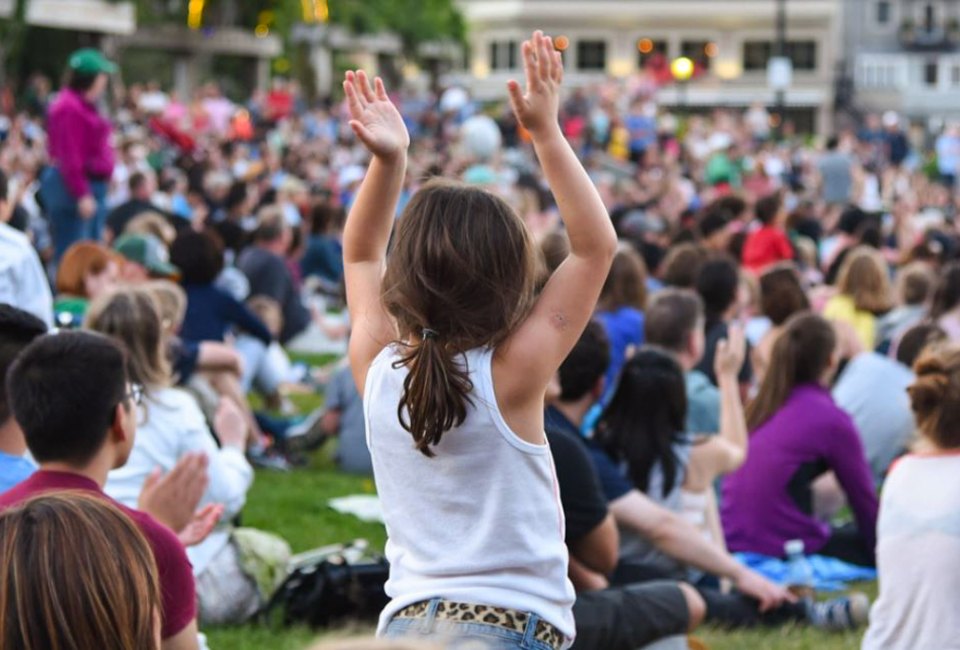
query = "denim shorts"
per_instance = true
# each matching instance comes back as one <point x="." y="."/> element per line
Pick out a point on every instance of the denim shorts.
<point x="459" y="635"/>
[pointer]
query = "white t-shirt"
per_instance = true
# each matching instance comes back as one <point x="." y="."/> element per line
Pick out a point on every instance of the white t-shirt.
<point x="481" y="522"/>
<point x="918" y="557"/>
<point x="169" y="425"/>
<point x="23" y="282"/>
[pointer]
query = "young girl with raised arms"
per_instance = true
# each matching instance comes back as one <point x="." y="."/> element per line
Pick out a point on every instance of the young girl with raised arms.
<point x="453" y="352"/>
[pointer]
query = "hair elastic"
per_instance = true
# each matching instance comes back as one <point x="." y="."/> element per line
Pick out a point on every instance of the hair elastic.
<point x="427" y="333"/>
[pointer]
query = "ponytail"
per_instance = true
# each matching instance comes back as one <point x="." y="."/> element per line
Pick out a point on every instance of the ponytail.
<point x="800" y="355"/>
<point x="436" y="392"/>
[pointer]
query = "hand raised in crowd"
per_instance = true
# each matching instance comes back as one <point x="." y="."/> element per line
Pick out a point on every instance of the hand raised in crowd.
<point x="200" y="525"/>
<point x="373" y="117"/>
<point x="730" y="353"/>
<point x="538" y="107"/>
<point x="172" y="498"/>
<point x="768" y="595"/>
<point x="230" y="425"/>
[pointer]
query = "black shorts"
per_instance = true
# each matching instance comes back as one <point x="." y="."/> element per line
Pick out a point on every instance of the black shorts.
<point x="629" y="617"/>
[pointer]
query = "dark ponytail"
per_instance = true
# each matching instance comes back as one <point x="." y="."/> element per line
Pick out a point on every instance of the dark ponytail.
<point x="436" y="392"/>
<point x="800" y="355"/>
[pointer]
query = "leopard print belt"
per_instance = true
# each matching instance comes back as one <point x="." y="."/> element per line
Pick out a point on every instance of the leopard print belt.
<point x="508" y="619"/>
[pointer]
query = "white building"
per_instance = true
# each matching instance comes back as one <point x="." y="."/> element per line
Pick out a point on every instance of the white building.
<point x="733" y="38"/>
<point x="903" y="55"/>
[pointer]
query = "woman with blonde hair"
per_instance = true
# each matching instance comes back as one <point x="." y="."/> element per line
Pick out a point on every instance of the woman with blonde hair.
<point x="170" y="425"/>
<point x="86" y="270"/>
<point x="864" y="294"/>
<point x="76" y="573"/>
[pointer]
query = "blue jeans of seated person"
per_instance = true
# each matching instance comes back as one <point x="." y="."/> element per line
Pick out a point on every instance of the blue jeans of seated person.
<point x="459" y="635"/>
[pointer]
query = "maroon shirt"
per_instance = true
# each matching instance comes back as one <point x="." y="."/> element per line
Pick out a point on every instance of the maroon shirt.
<point x="79" y="141"/>
<point x="179" y="597"/>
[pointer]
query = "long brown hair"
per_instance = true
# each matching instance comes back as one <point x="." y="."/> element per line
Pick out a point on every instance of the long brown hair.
<point x="76" y="574"/>
<point x="935" y="395"/>
<point x="626" y="283"/>
<point x="800" y="355"/>
<point x="131" y="315"/>
<point x="461" y="276"/>
<point x="865" y="278"/>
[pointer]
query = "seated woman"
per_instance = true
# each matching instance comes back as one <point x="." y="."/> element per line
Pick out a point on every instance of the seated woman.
<point x="170" y="425"/>
<point x="644" y="428"/>
<point x="620" y="310"/>
<point x="86" y="270"/>
<point x="104" y="592"/>
<point x="864" y="294"/>
<point x="797" y="434"/>
<point x="918" y="534"/>
<point x="781" y="296"/>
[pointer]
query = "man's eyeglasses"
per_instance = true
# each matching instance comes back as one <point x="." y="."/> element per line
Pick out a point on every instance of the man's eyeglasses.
<point x="135" y="394"/>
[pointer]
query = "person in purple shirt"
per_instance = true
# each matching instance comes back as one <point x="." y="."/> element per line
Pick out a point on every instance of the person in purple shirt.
<point x="797" y="434"/>
<point x="74" y="187"/>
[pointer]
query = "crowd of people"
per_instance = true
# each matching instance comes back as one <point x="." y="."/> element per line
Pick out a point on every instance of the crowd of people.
<point x="598" y="355"/>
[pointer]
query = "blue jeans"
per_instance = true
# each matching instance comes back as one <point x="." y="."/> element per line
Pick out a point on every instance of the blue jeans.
<point x="66" y="225"/>
<point x="457" y="635"/>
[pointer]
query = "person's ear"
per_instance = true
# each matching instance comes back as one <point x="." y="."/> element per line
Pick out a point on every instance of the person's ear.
<point x="117" y="431"/>
<point x="599" y="387"/>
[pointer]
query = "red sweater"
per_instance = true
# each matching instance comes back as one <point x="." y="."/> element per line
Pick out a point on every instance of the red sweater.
<point x="765" y="246"/>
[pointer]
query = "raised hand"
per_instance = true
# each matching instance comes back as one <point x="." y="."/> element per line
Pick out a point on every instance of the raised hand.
<point x="374" y="118"/>
<point x="537" y="108"/>
<point x="730" y="352"/>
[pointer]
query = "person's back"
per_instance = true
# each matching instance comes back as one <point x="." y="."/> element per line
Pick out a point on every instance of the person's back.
<point x="269" y="276"/>
<point x="873" y="389"/>
<point x="448" y="536"/>
<point x="836" y="172"/>
<point x="342" y="398"/>
<point x="918" y="532"/>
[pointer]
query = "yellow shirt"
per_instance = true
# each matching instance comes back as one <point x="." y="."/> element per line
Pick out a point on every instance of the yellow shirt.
<point x="842" y="308"/>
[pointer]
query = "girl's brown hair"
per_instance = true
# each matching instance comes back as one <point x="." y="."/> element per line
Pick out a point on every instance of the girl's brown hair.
<point x="461" y="276"/>
<point x="626" y="283"/>
<point x="781" y="294"/>
<point x="935" y="395"/>
<point x="82" y="259"/>
<point x="800" y="355"/>
<point x="77" y="574"/>
<point x="131" y="315"/>
<point x="864" y="278"/>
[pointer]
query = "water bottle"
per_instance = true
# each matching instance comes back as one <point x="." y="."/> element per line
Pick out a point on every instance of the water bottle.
<point x="799" y="572"/>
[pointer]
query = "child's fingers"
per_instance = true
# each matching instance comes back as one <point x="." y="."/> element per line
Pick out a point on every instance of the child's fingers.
<point x="381" y="91"/>
<point x="530" y="66"/>
<point x="365" y="88"/>
<point x="516" y="96"/>
<point x="353" y="102"/>
<point x="557" y="66"/>
<point x="544" y="56"/>
<point x="361" y="131"/>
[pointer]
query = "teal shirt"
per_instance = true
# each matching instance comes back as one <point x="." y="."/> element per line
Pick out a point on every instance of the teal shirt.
<point x="703" y="404"/>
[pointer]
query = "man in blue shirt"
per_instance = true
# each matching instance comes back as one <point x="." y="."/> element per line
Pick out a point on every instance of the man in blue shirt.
<point x="674" y="322"/>
<point x="17" y="330"/>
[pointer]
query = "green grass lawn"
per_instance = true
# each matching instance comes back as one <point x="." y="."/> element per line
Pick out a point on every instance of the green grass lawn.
<point x="294" y="505"/>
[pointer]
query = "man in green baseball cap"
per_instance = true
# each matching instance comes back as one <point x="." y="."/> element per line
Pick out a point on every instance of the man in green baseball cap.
<point x="146" y="257"/>
<point x="89" y="61"/>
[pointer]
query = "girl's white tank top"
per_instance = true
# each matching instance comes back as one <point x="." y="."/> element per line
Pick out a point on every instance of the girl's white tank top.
<point x="481" y="521"/>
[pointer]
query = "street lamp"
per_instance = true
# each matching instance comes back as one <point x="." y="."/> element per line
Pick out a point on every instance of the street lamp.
<point x="682" y="69"/>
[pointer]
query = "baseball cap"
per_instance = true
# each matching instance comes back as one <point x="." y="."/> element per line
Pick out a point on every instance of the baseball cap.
<point x="90" y="61"/>
<point x="149" y="252"/>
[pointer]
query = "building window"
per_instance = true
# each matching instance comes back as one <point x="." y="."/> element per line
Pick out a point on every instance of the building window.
<point x="591" y="55"/>
<point x="955" y="75"/>
<point x="930" y="73"/>
<point x="697" y="51"/>
<point x="803" y="55"/>
<point x="883" y="12"/>
<point x="503" y="55"/>
<point x="649" y="49"/>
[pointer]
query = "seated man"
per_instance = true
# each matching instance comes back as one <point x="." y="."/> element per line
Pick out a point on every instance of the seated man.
<point x="265" y="266"/>
<point x="72" y="399"/>
<point x="675" y="322"/>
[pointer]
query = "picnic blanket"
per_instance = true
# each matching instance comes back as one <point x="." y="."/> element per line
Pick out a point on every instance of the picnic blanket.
<point x="829" y="574"/>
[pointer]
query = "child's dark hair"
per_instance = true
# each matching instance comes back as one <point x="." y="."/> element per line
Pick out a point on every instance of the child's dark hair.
<point x="586" y="364"/>
<point x="646" y="418"/>
<point x="717" y="283"/>
<point x="768" y="208"/>
<point x="461" y="276"/>
<point x="801" y="355"/>
<point x="198" y="255"/>
<point x="781" y="294"/>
